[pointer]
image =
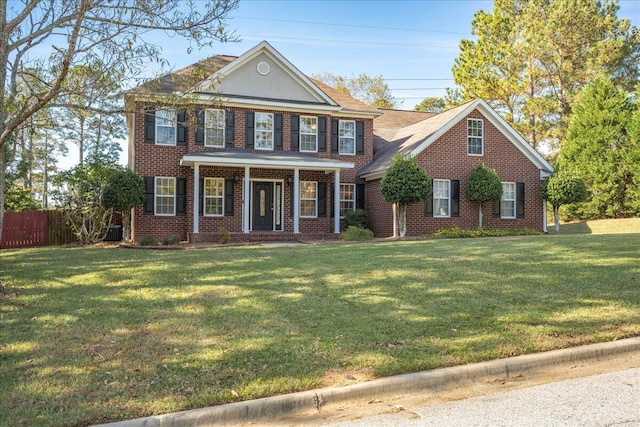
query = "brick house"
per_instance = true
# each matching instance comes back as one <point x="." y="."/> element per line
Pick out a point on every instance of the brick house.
<point x="251" y="145"/>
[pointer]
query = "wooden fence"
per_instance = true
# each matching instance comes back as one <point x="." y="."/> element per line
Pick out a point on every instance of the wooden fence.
<point x="34" y="228"/>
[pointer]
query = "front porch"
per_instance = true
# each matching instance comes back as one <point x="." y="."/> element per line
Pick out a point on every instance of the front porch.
<point x="270" y="193"/>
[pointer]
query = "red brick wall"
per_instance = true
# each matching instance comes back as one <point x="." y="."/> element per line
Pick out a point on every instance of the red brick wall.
<point x="157" y="160"/>
<point x="447" y="158"/>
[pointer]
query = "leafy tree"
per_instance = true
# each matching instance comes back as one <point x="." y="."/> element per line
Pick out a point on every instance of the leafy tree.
<point x="19" y="199"/>
<point x="404" y="183"/>
<point x="79" y="195"/>
<point x="53" y="36"/>
<point x="372" y="91"/>
<point x="597" y="149"/>
<point x="529" y="59"/>
<point x="123" y="191"/>
<point x="89" y="113"/>
<point x="632" y="159"/>
<point x="483" y="185"/>
<point x="562" y="188"/>
<point x="432" y="104"/>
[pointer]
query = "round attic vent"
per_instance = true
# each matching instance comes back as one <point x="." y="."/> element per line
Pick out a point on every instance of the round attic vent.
<point x="263" y="68"/>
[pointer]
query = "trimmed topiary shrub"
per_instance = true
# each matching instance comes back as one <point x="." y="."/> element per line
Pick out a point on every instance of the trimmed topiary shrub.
<point x="455" y="232"/>
<point x="171" y="239"/>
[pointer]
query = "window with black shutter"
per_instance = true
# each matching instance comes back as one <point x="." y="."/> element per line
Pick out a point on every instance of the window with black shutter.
<point x="359" y="137"/>
<point x="228" y="196"/>
<point x="199" y="113"/>
<point x="149" y="192"/>
<point x="322" y="134"/>
<point x="150" y="125"/>
<point x="249" y="134"/>
<point x="181" y="196"/>
<point x="520" y="199"/>
<point x="277" y="134"/>
<point x="230" y="129"/>
<point x="428" y="204"/>
<point x="455" y="198"/>
<point x="295" y="133"/>
<point x="322" y="199"/>
<point x="181" y="126"/>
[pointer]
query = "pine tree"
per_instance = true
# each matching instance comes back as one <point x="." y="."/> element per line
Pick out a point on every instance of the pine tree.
<point x="597" y="148"/>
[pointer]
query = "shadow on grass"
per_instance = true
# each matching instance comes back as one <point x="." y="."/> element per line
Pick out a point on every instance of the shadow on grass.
<point x="580" y="227"/>
<point x="107" y="334"/>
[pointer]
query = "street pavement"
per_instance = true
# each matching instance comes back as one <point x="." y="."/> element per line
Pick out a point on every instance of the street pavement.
<point x="611" y="399"/>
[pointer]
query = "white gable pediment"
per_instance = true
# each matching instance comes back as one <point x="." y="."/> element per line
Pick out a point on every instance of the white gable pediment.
<point x="262" y="73"/>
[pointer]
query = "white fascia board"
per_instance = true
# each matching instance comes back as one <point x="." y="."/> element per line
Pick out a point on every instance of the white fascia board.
<point x="373" y="175"/>
<point x="272" y="164"/>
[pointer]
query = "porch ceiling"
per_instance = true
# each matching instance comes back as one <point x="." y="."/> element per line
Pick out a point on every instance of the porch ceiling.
<point x="269" y="159"/>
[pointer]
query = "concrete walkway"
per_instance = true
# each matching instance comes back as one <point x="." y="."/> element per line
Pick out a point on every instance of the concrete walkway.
<point x="283" y="409"/>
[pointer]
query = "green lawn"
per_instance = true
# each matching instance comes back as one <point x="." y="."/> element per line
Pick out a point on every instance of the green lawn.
<point x="600" y="226"/>
<point x="92" y="335"/>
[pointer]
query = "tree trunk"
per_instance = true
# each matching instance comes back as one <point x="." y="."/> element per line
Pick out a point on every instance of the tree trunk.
<point x="395" y="220"/>
<point x="126" y="225"/>
<point x="480" y="217"/>
<point x="402" y="220"/>
<point x="556" y="219"/>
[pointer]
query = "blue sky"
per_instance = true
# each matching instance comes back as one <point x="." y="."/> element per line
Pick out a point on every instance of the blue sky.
<point x="416" y="40"/>
<point x="412" y="44"/>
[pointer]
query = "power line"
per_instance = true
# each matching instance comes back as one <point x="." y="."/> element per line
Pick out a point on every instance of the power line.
<point x="370" y="27"/>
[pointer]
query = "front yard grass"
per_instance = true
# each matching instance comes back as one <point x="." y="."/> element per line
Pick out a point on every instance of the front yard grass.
<point x="90" y="335"/>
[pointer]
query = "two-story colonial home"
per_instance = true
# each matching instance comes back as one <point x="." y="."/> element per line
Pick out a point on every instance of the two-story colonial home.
<point x="251" y="145"/>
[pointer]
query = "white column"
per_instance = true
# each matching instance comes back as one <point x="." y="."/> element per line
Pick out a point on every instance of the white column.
<point x="296" y="201"/>
<point x="544" y="216"/>
<point x="245" y="201"/>
<point x="336" y="202"/>
<point x="196" y="198"/>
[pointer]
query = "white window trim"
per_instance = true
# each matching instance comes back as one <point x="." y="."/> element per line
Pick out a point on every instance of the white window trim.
<point x="303" y="133"/>
<point x="315" y="199"/>
<point x="175" y="127"/>
<point x="353" y="201"/>
<point x="255" y="132"/>
<point x="224" y="116"/>
<point x="205" y="197"/>
<point x="502" y="199"/>
<point x="472" y="136"/>
<point x="155" y="196"/>
<point x="340" y="122"/>
<point x="448" y="199"/>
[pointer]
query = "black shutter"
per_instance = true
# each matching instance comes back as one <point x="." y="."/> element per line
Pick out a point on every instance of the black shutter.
<point x="334" y="136"/>
<point x="201" y="197"/>
<point x="150" y="125"/>
<point x="277" y="134"/>
<point x="428" y="204"/>
<point x="455" y="197"/>
<point x="181" y="196"/>
<point x="331" y="201"/>
<point x="229" y="128"/>
<point x="322" y="199"/>
<point x="520" y="199"/>
<point x="228" y="197"/>
<point x="199" y="112"/>
<point x="291" y="198"/>
<point x="249" y="132"/>
<point x="360" y="196"/>
<point x="149" y="190"/>
<point x="295" y="133"/>
<point x="359" y="137"/>
<point x="322" y="134"/>
<point x="182" y="127"/>
<point x="496" y="208"/>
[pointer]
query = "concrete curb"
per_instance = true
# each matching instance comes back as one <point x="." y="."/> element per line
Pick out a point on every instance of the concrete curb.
<point x="438" y="379"/>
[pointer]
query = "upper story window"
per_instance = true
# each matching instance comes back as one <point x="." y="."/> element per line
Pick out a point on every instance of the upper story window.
<point x="166" y="121"/>
<point x="213" y="196"/>
<point x="475" y="137"/>
<point x="347" y="198"/>
<point x="214" y="122"/>
<point x="165" y="196"/>
<point x="508" y="200"/>
<point x="308" y="133"/>
<point x="308" y="199"/>
<point x="264" y="131"/>
<point x="347" y="137"/>
<point x="441" y="198"/>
